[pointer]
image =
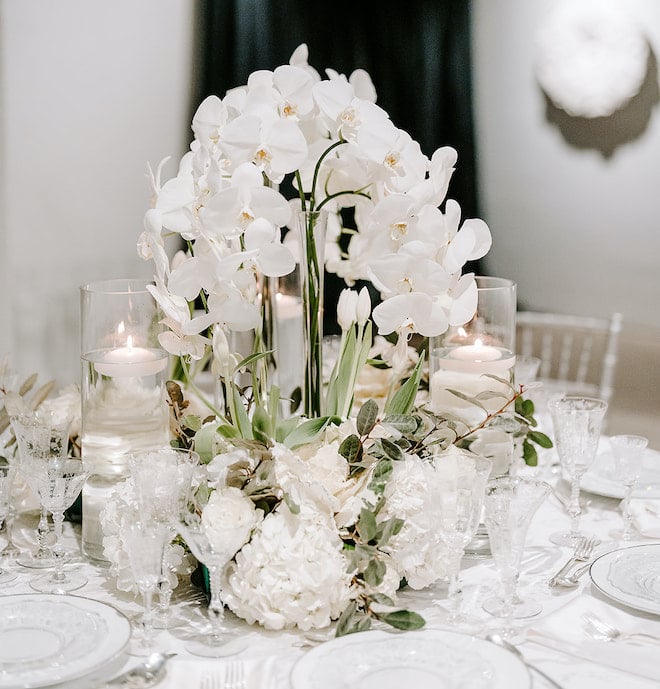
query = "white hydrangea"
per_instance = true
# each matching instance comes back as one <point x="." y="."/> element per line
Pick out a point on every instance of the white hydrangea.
<point x="291" y="574"/>
<point x="416" y="550"/>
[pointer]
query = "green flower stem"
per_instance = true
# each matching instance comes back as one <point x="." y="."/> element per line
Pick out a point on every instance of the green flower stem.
<point x="202" y="397"/>
<point x="317" y="169"/>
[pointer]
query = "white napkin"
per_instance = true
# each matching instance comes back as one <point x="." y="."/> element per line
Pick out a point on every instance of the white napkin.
<point x="646" y="516"/>
<point x="198" y="673"/>
<point x="564" y="631"/>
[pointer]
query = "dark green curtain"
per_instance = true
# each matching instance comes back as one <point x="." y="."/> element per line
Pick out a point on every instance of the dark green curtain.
<point x="416" y="51"/>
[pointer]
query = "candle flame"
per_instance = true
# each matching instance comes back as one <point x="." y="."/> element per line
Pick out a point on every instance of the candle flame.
<point x="120" y="328"/>
<point x="478" y="343"/>
<point x="462" y="332"/>
<point x="129" y="343"/>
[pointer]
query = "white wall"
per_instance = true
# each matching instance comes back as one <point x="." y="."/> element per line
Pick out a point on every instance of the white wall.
<point x="89" y="93"/>
<point x="577" y="229"/>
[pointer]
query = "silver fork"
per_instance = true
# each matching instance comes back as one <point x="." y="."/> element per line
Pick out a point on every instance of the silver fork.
<point x="234" y="676"/>
<point x="583" y="552"/>
<point x="599" y="629"/>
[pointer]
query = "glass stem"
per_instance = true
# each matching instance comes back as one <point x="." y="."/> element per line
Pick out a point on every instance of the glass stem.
<point x="216" y="606"/>
<point x="42" y="533"/>
<point x="627" y="516"/>
<point x="147" y="619"/>
<point x="509" y="590"/>
<point x="574" y="509"/>
<point x="455" y="592"/>
<point x="58" y="548"/>
<point x="164" y="595"/>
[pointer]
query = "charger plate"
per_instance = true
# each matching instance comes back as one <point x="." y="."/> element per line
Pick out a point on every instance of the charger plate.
<point x="630" y="576"/>
<point x="48" y="639"/>
<point x="425" y="659"/>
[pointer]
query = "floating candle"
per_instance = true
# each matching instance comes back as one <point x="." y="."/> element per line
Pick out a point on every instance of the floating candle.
<point x="130" y="361"/>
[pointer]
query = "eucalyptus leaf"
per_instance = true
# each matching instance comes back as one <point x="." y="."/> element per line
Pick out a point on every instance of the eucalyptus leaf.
<point x="366" y="525"/>
<point x="375" y="572"/>
<point x="402" y="619"/>
<point x="206" y="438"/>
<point x="529" y="454"/>
<point x="401" y="422"/>
<point x="367" y="417"/>
<point x="467" y="398"/>
<point x="392" y="450"/>
<point x="540" y="439"/>
<point x="351" y="448"/>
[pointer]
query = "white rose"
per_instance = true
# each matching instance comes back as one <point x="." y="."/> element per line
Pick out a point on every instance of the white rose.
<point x="228" y="519"/>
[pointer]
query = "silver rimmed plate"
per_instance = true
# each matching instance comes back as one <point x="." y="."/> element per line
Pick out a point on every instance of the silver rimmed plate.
<point x="601" y="478"/>
<point x="48" y="639"/>
<point x="630" y="576"/>
<point x="425" y="659"/>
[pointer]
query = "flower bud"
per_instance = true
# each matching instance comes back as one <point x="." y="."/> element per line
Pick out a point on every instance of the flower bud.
<point x="347" y="308"/>
<point x="363" y="310"/>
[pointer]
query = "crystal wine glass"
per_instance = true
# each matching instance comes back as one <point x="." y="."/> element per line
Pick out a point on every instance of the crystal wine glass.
<point x="509" y="505"/>
<point x="40" y="435"/>
<point x="58" y="481"/>
<point x="577" y="422"/>
<point x="144" y="541"/>
<point x="458" y="493"/>
<point x="627" y="451"/>
<point x="6" y="480"/>
<point x="163" y="479"/>
<point x="209" y="550"/>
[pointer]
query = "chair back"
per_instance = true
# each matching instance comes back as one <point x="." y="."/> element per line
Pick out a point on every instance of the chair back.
<point x="578" y="354"/>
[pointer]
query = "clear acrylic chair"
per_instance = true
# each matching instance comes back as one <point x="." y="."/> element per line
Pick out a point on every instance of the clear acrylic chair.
<point x="578" y="354"/>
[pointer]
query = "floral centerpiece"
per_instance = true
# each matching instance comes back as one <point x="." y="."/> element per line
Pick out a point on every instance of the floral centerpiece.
<point x="327" y="511"/>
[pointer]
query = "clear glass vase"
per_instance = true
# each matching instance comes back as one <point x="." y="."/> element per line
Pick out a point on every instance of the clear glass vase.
<point x="312" y="228"/>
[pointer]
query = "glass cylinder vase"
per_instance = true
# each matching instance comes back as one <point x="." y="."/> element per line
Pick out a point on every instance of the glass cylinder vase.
<point x="312" y="229"/>
<point x="123" y="391"/>
<point x="465" y="357"/>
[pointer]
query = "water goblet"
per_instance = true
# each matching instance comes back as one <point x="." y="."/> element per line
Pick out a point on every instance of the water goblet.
<point x="458" y="493"/>
<point x="163" y="479"/>
<point x="58" y="482"/>
<point x="577" y="422"/>
<point x="627" y="451"/>
<point x="509" y="505"/>
<point x="40" y="435"/>
<point x="211" y="550"/>
<point x="144" y="542"/>
<point x="6" y="480"/>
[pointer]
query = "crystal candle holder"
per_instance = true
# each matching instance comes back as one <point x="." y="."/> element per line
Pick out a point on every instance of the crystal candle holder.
<point x="123" y="391"/>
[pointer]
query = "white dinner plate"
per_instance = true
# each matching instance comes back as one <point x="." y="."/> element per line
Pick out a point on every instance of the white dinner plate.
<point x="48" y="639"/>
<point x="425" y="659"/>
<point x="630" y="576"/>
<point x="601" y="479"/>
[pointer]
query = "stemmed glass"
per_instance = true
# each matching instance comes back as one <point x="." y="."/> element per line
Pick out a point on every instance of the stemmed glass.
<point x="58" y="482"/>
<point x="577" y="422"/>
<point x="458" y="494"/>
<point x="145" y="542"/>
<point x="214" y="554"/>
<point x="6" y="480"/>
<point x="40" y="436"/>
<point x="627" y="451"/>
<point x="163" y="478"/>
<point x="509" y="505"/>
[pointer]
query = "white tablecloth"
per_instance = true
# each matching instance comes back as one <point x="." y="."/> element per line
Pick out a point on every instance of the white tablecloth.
<point x="270" y="656"/>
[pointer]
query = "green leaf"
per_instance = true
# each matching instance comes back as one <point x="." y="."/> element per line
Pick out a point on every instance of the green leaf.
<point x="351" y="448"/>
<point x="529" y="454"/>
<point x="381" y="475"/>
<point x="367" y="417"/>
<point x="401" y="422"/>
<point x="352" y="620"/>
<point x="382" y="599"/>
<point x="251" y="359"/>
<point x="193" y="422"/>
<point x="205" y="440"/>
<point x="307" y="431"/>
<point x="500" y="380"/>
<point x="467" y="398"/>
<point x="261" y="428"/>
<point x="392" y="450"/>
<point x="404" y="399"/>
<point x="242" y="420"/>
<point x="375" y="572"/>
<point x="284" y="427"/>
<point x="389" y="528"/>
<point x="291" y="504"/>
<point x="366" y="525"/>
<point x="540" y="439"/>
<point x="402" y="619"/>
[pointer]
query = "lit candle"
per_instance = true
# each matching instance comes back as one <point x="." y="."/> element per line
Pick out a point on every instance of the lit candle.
<point x="479" y="358"/>
<point x="290" y="350"/>
<point x="130" y="361"/>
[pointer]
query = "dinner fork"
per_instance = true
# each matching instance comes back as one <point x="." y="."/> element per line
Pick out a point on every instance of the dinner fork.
<point x="582" y="553"/>
<point x="599" y="629"/>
